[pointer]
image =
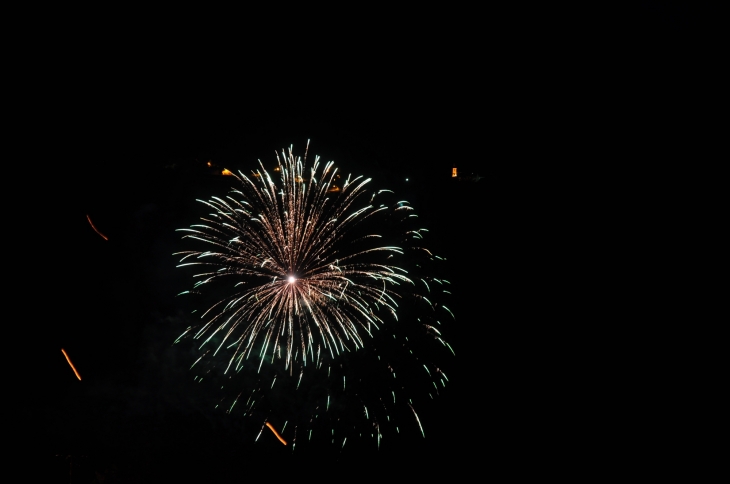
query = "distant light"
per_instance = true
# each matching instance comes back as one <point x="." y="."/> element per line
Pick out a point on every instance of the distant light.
<point x="292" y="279"/>
<point x="406" y="179"/>
<point x="453" y="172"/>
<point x="95" y="229"/>
<point x="71" y="364"/>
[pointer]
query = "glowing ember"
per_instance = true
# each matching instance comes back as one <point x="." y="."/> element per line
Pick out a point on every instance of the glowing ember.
<point x="95" y="230"/>
<point x="276" y="433"/>
<point x="71" y="364"/>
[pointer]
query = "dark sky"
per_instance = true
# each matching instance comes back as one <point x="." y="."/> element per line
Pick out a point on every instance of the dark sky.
<point x="122" y="139"/>
<point x="132" y="157"/>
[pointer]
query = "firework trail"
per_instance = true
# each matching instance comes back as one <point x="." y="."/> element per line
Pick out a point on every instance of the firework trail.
<point x="95" y="229"/>
<point x="278" y="436"/>
<point x="312" y="271"/>
<point x="71" y="364"/>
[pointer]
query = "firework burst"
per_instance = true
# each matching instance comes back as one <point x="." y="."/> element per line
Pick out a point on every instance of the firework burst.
<point x="315" y="274"/>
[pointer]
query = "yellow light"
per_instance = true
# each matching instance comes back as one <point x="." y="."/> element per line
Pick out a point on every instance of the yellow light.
<point x="453" y="172"/>
<point x="71" y="364"/>
<point x="276" y="433"/>
<point x="95" y="229"/>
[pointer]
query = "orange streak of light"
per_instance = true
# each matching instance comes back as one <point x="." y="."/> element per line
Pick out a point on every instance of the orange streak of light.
<point x="276" y="433"/>
<point x="72" y="365"/>
<point x="92" y="226"/>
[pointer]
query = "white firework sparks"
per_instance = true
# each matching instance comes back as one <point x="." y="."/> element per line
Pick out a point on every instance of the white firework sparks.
<point x="300" y="284"/>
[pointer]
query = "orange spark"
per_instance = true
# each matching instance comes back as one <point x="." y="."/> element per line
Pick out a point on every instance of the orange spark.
<point x="72" y="365"/>
<point x="276" y="433"/>
<point x="92" y="226"/>
<point x="226" y="172"/>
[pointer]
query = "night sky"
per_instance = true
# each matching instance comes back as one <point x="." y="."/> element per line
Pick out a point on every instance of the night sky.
<point x="125" y="140"/>
<point x="134" y="162"/>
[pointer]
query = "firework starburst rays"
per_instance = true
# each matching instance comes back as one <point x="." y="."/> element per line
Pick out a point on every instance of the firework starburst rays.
<point x="306" y="277"/>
